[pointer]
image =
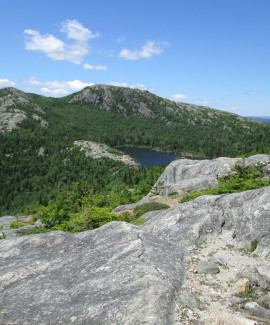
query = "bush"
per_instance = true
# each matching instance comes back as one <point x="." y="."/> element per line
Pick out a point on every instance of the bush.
<point x="16" y="225"/>
<point x="253" y="245"/>
<point x="173" y="193"/>
<point x="245" y="178"/>
<point x="146" y="207"/>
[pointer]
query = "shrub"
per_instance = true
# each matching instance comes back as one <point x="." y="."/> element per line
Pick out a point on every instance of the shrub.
<point x="253" y="245"/>
<point x="245" y="178"/>
<point x="16" y="225"/>
<point x="173" y="193"/>
<point x="146" y="207"/>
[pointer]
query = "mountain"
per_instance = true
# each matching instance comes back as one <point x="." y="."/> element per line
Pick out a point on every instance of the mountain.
<point x="263" y="119"/>
<point x="125" y="116"/>
<point x="38" y="137"/>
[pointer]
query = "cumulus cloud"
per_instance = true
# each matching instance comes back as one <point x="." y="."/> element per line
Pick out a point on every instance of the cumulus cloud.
<point x="146" y="52"/>
<point x="77" y="31"/>
<point x="6" y="83"/>
<point x="177" y="97"/>
<point x="58" y="87"/>
<point x="94" y="67"/>
<point x="118" y="84"/>
<point x="55" y="48"/>
<point x="124" y="84"/>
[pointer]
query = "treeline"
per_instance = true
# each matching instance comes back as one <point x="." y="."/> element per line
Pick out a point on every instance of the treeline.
<point x="36" y="163"/>
<point x="30" y="179"/>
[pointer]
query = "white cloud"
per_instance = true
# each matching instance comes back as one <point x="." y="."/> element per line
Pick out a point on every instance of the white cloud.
<point x="58" y="87"/>
<point x="6" y="83"/>
<point x="55" y="48"/>
<point x="54" y="91"/>
<point x="120" y="39"/>
<point x="177" y="97"/>
<point x="147" y="51"/>
<point x="77" y="31"/>
<point x="118" y="84"/>
<point x="124" y="84"/>
<point x="94" y="67"/>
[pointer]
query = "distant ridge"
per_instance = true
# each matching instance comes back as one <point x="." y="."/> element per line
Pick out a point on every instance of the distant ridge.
<point x="37" y="136"/>
<point x="264" y="119"/>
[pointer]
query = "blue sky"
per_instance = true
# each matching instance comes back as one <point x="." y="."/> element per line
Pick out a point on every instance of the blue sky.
<point x="206" y="52"/>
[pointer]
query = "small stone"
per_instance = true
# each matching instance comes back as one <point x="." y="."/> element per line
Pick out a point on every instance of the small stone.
<point x="207" y="268"/>
<point x="255" y="277"/>
<point x="188" y="299"/>
<point x="265" y="300"/>
<point x="219" y="260"/>
<point x="254" y="309"/>
<point x="241" y="286"/>
<point x="236" y="300"/>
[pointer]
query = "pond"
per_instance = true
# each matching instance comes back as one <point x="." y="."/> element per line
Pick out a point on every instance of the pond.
<point x="148" y="157"/>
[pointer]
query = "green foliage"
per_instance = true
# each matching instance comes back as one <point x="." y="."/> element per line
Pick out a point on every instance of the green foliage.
<point x="139" y="221"/>
<point x="147" y="207"/>
<point x="251" y="294"/>
<point x="29" y="179"/>
<point x="157" y="188"/>
<point x="173" y="194"/>
<point x="16" y="225"/>
<point x="79" y="210"/>
<point x="244" y="179"/>
<point x="253" y="245"/>
<point x="3" y="236"/>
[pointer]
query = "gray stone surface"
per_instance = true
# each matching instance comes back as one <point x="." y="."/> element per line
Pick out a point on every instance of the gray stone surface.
<point x="188" y="299"/>
<point x="207" y="268"/>
<point x="265" y="300"/>
<point x="246" y="213"/>
<point x="116" y="274"/>
<point x="98" y="150"/>
<point x="254" y="309"/>
<point x="185" y="175"/>
<point x="255" y="277"/>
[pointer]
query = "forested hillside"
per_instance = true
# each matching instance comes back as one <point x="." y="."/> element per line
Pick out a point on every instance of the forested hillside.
<point x="39" y="158"/>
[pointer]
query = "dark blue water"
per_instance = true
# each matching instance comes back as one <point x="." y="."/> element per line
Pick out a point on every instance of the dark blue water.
<point x="149" y="157"/>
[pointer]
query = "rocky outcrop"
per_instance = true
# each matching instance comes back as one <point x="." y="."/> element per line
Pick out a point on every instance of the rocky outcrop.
<point x="12" y="112"/>
<point x="117" y="274"/>
<point x="105" y="97"/>
<point x="97" y="151"/>
<point x="246" y="214"/>
<point x="194" y="263"/>
<point x="9" y="121"/>
<point x="185" y="175"/>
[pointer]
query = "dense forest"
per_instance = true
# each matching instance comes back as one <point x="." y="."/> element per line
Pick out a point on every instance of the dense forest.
<point x="39" y="159"/>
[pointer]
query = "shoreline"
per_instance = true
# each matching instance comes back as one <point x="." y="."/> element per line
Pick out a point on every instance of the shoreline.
<point x="181" y="153"/>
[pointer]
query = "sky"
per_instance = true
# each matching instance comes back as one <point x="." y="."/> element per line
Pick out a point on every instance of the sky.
<point x="214" y="53"/>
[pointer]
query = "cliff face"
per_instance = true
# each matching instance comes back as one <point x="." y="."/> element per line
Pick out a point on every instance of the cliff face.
<point x="15" y="107"/>
<point x="151" y="274"/>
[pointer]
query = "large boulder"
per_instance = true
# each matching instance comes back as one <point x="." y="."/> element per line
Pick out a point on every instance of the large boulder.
<point x="186" y="175"/>
<point x="116" y="274"/>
